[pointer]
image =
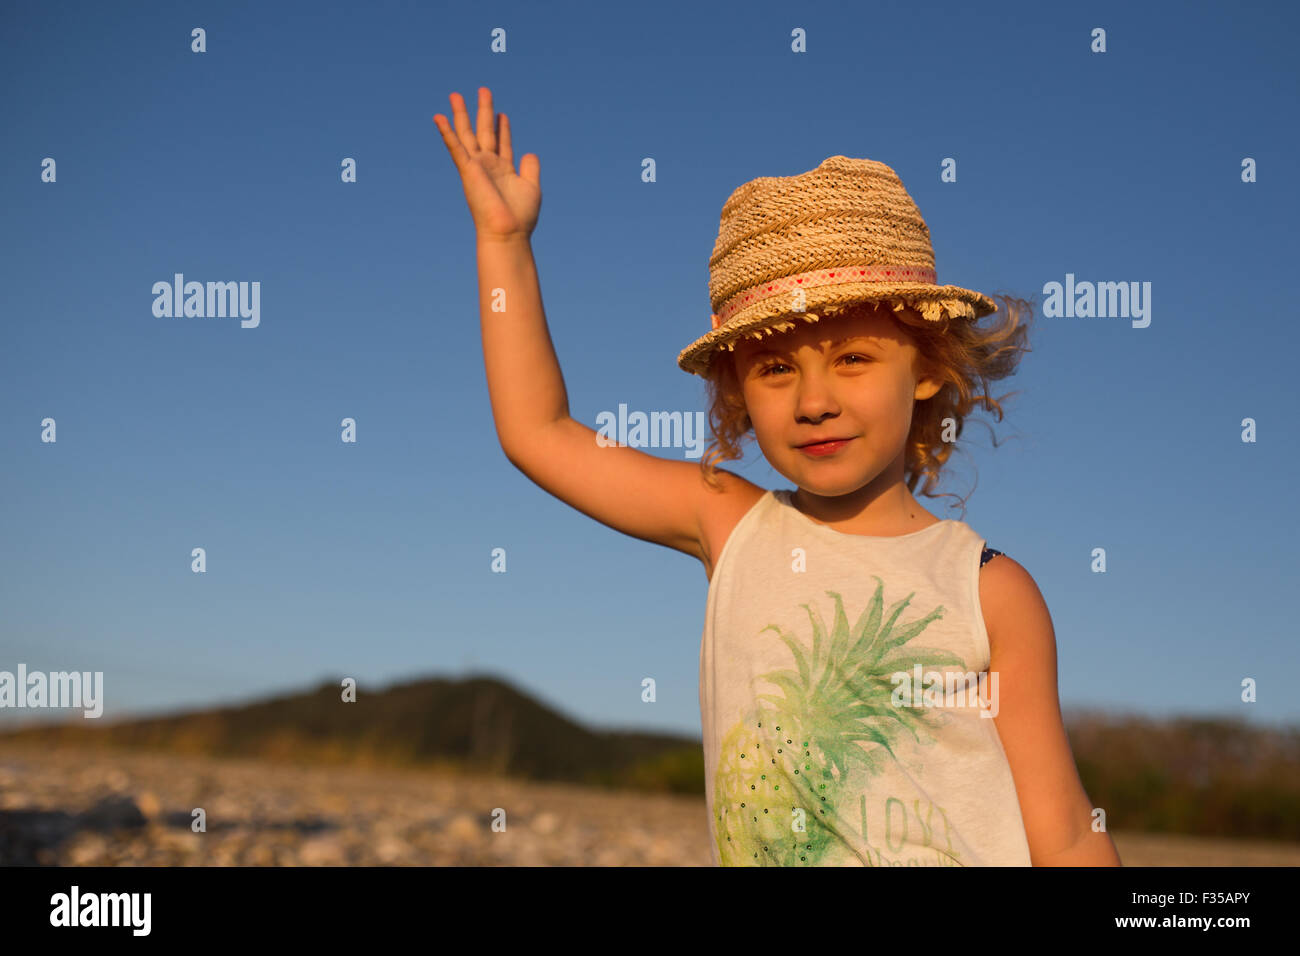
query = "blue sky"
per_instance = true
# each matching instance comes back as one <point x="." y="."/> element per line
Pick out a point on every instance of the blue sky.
<point x="373" y="559"/>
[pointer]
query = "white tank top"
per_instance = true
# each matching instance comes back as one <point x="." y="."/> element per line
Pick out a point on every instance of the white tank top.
<point x="813" y="639"/>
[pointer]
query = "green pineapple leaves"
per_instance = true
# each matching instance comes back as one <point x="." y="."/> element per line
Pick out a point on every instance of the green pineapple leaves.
<point x="810" y="734"/>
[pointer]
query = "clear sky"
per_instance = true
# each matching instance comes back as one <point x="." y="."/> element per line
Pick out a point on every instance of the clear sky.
<point x="373" y="559"/>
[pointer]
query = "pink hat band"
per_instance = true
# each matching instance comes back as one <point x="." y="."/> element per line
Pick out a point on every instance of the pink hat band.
<point x="817" y="279"/>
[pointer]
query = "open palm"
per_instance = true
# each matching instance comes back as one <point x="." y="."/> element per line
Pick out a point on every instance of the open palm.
<point x="501" y="202"/>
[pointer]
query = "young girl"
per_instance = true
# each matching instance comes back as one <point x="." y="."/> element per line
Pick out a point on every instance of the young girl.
<point x="876" y="687"/>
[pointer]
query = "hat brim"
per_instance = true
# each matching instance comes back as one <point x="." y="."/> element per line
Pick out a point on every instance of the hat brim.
<point x="766" y="317"/>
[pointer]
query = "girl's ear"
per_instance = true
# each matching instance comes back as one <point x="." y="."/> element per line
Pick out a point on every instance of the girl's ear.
<point x="927" y="388"/>
<point x="928" y="383"/>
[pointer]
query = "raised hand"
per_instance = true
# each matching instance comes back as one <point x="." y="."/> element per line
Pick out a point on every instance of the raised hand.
<point x="502" y="203"/>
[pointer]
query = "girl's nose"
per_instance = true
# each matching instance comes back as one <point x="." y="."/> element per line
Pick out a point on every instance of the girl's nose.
<point x="816" y="398"/>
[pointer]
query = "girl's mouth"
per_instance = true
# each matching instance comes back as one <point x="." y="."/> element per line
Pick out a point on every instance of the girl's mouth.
<point x="822" y="449"/>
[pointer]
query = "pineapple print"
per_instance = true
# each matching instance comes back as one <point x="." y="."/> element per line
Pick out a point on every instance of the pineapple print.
<point x="800" y="757"/>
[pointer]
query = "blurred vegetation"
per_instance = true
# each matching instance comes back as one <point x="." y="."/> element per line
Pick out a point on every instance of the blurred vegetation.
<point x="1205" y="777"/>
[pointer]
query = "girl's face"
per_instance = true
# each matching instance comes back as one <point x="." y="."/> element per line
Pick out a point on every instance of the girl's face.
<point x="853" y="377"/>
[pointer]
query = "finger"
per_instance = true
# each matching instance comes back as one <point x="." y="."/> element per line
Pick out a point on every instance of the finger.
<point x="461" y="117"/>
<point x="506" y="152"/>
<point x="487" y="137"/>
<point x="452" y="141"/>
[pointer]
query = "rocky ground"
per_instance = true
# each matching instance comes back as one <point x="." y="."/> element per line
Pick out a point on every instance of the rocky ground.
<point x="73" y="808"/>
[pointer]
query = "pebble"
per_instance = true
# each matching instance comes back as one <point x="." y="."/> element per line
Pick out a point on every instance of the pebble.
<point x="112" y="813"/>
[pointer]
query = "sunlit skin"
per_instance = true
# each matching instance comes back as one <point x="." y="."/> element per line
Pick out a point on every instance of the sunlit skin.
<point x="854" y="375"/>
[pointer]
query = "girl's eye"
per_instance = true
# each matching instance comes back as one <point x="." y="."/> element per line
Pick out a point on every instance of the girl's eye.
<point x="861" y="360"/>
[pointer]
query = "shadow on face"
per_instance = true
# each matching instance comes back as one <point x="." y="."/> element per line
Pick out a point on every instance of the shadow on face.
<point x="874" y="323"/>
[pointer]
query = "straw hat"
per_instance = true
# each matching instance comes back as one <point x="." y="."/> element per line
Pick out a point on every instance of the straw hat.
<point x="809" y="246"/>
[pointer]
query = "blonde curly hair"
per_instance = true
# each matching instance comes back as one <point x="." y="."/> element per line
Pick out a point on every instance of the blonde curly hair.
<point x="963" y="355"/>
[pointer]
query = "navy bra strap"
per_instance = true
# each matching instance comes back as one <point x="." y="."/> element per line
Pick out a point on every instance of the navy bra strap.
<point x="986" y="555"/>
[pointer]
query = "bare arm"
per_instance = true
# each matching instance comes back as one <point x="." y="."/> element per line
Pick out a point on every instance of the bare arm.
<point x="523" y="374"/>
<point x="651" y="498"/>
<point x="1056" y="811"/>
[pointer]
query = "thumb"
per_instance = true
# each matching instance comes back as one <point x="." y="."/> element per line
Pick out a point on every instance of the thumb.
<point x="530" y="169"/>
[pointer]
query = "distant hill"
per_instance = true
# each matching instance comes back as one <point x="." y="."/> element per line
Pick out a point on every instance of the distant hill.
<point x="481" y="725"/>
<point x="1190" y="776"/>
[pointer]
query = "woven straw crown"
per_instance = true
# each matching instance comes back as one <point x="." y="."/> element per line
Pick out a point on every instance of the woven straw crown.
<point x="810" y="246"/>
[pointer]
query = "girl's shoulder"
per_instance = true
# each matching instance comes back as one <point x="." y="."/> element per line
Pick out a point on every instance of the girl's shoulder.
<point x="728" y="504"/>
<point x="1010" y="598"/>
